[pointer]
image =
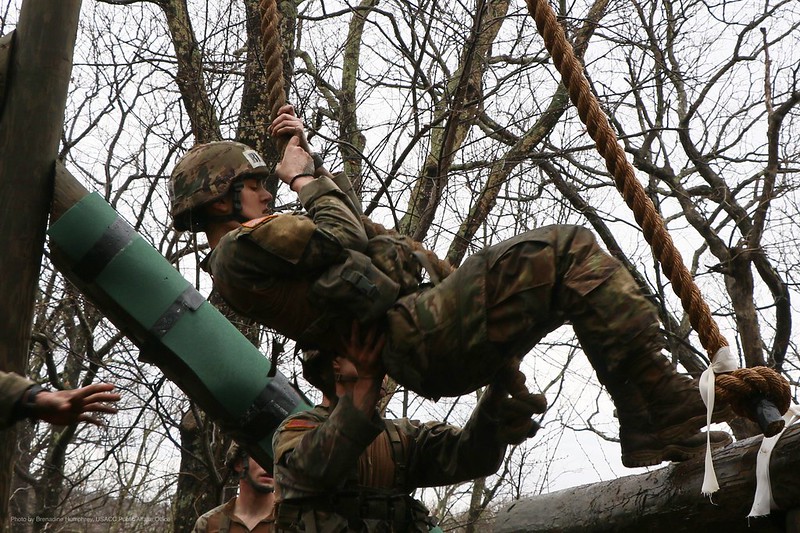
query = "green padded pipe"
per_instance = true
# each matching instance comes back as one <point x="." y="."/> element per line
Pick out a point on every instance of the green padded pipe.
<point x="174" y="327"/>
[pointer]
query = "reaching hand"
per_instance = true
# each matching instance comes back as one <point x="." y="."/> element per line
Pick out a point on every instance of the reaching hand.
<point x="365" y="352"/>
<point x="514" y="413"/>
<point x="296" y="161"/>
<point x="286" y="123"/>
<point x="67" y="407"/>
<point x="359" y="370"/>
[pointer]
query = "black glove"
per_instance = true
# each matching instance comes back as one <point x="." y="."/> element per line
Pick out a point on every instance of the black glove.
<point x="514" y="414"/>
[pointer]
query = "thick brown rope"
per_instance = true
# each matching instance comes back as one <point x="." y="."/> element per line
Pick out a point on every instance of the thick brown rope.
<point x="272" y="47"/>
<point x="774" y="387"/>
<point x="740" y="386"/>
<point x="273" y="58"/>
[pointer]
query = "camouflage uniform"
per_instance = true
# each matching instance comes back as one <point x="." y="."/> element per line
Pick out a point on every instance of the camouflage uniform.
<point x="292" y="272"/>
<point x="266" y="268"/>
<point x="221" y="519"/>
<point x="338" y="470"/>
<point x="492" y="309"/>
<point x="12" y="387"/>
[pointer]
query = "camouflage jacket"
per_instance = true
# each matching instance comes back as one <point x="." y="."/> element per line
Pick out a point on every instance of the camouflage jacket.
<point x="11" y="388"/>
<point x="222" y="519"/>
<point x="325" y="459"/>
<point x="265" y="268"/>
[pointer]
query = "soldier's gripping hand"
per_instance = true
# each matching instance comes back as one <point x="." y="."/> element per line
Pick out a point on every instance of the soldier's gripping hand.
<point x="359" y="370"/>
<point x="286" y="123"/>
<point x="363" y="354"/>
<point x="513" y="413"/>
<point x="296" y="167"/>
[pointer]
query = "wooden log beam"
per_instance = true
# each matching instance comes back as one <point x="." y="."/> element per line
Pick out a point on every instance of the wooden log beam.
<point x="36" y="80"/>
<point x="668" y="500"/>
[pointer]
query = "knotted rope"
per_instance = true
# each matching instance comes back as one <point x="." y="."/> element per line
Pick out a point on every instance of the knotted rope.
<point x="738" y="387"/>
<point x="758" y="381"/>
<point x="272" y="48"/>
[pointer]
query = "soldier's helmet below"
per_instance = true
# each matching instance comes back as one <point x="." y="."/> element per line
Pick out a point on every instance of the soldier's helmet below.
<point x="318" y="371"/>
<point x="204" y="174"/>
<point x="236" y="454"/>
<point x="233" y="455"/>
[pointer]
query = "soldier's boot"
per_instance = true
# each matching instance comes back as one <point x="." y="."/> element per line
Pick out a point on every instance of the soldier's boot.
<point x="661" y="412"/>
<point x="672" y="397"/>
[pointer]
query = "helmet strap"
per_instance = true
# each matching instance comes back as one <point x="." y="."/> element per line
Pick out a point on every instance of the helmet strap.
<point x="236" y="196"/>
<point x="244" y="475"/>
<point x="243" y="461"/>
<point x="236" y="209"/>
<point x="222" y="218"/>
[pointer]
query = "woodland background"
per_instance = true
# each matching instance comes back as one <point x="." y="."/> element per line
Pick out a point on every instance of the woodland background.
<point x="450" y="119"/>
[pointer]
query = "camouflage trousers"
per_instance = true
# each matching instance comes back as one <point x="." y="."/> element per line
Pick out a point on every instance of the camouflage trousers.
<point x="451" y="339"/>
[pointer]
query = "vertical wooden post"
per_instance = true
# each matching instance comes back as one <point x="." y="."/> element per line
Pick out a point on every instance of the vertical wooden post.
<point x="30" y="130"/>
<point x="793" y="521"/>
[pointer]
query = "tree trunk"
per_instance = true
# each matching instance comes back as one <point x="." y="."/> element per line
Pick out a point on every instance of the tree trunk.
<point x="475" y="505"/>
<point x="203" y="117"/>
<point x="669" y="500"/>
<point x="199" y="485"/>
<point x="30" y="129"/>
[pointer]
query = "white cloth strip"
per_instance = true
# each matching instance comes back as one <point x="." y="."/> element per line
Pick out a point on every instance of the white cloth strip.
<point x="763" y="502"/>
<point x="724" y="361"/>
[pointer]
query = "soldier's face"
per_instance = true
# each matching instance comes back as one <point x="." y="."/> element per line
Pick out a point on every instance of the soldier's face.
<point x="255" y="199"/>
<point x="258" y="478"/>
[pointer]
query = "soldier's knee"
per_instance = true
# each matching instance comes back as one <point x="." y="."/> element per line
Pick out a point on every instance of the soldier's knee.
<point x="583" y="236"/>
<point x="578" y="242"/>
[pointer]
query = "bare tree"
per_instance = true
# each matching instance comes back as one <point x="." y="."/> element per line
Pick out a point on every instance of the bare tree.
<point x="452" y="122"/>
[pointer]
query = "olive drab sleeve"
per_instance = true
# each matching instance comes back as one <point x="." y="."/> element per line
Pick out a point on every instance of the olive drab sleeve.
<point x="442" y="454"/>
<point x="216" y="520"/>
<point x="11" y="388"/>
<point x="321" y="452"/>
<point x="334" y="214"/>
<point x="284" y="236"/>
<point x="201" y="525"/>
<point x="294" y="242"/>
<point x="343" y="182"/>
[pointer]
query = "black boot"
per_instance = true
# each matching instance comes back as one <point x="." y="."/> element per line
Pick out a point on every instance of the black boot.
<point x="660" y="412"/>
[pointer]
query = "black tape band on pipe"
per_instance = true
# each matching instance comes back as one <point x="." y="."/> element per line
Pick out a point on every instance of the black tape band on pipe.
<point x="270" y="408"/>
<point x="115" y="239"/>
<point x="188" y="300"/>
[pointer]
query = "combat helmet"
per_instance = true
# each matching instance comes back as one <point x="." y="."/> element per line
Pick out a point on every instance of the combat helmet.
<point x="206" y="173"/>
<point x="238" y="455"/>
<point x="234" y="454"/>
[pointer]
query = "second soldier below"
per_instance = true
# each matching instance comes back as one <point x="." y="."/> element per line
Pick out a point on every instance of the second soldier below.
<point x="250" y="511"/>
<point x="342" y="467"/>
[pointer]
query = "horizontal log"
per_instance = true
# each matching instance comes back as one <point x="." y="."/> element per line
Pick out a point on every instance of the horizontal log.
<point x="669" y="500"/>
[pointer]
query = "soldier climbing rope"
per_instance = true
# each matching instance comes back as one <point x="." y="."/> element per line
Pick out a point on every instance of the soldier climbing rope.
<point x="758" y="393"/>
<point x="308" y="276"/>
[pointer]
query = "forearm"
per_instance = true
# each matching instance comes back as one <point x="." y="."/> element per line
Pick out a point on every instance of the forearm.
<point x="325" y="455"/>
<point x="333" y="213"/>
<point x="12" y="387"/>
<point x="365" y="395"/>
